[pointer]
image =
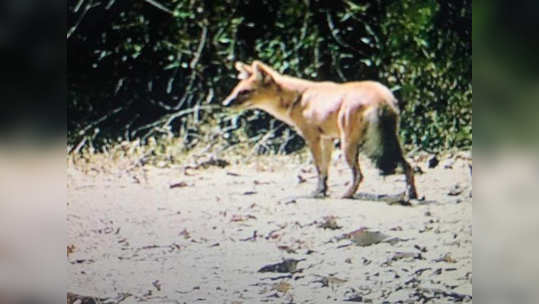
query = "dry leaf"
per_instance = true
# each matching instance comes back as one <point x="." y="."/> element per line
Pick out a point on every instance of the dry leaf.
<point x="70" y="249"/>
<point x="178" y="185"/>
<point x="281" y="287"/>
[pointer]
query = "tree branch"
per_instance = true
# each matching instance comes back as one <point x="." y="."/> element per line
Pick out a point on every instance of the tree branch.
<point x="334" y="31"/>
<point x="167" y="119"/>
<point x="87" y="7"/>
<point x="159" y="6"/>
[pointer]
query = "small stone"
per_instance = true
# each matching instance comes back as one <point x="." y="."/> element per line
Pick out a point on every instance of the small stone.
<point x="455" y="190"/>
<point x="432" y="162"/>
<point x="448" y="164"/>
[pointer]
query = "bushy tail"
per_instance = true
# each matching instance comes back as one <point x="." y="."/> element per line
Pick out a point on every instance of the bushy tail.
<point x="381" y="143"/>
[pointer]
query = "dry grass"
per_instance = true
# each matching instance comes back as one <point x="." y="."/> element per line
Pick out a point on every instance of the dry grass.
<point x="169" y="151"/>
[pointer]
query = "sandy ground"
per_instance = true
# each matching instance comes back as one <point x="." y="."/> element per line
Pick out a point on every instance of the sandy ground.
<point x="176" y="235"/>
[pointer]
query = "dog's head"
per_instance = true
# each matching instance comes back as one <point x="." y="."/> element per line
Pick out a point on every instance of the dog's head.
<point x="256" y="86"/>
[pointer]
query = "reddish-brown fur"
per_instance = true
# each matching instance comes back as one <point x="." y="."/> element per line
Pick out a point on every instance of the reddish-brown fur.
<point x="323" y="111"/>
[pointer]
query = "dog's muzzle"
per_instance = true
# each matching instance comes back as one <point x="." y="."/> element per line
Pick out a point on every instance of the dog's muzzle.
<point x="229" y="101"/>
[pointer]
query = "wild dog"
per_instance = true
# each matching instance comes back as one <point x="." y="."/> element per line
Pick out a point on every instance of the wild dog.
<point x="363" y="115"/>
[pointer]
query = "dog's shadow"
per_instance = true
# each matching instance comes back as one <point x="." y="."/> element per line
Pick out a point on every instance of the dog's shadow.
<point x="390" y="199"/>
<point x="393" y="199"/>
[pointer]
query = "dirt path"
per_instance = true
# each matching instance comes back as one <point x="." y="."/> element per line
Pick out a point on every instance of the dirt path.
<point x="202" y="235"/>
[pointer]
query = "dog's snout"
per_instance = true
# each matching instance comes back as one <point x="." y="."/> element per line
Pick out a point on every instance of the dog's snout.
<point x="229" y="101"/>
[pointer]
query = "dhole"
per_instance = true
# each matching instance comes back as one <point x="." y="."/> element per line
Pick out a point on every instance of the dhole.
<point x="363" y="115"/>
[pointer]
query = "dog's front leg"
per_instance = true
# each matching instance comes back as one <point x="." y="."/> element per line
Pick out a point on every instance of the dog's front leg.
<point x="321" y="168"/>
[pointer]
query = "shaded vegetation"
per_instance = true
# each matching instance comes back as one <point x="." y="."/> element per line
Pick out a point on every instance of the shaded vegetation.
<point x="148" y="69"/>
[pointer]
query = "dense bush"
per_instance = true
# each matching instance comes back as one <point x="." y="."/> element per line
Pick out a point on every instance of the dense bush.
<point x="137" y="68"/>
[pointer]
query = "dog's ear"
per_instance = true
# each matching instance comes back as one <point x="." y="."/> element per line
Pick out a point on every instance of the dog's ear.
<point x="261" y="74"/>
<point x="244" y="70"/>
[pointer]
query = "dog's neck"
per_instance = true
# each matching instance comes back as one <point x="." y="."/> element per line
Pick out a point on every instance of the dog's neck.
<point x="283" y="107"/>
